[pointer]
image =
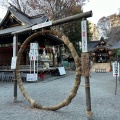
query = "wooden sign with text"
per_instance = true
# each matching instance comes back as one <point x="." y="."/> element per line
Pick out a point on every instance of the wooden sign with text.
<point x="85" y="64"/>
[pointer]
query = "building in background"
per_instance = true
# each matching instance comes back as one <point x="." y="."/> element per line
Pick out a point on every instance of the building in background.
<point x="16" y="20"/>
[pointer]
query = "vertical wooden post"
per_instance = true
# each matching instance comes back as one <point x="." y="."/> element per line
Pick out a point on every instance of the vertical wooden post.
<point x="85" y="73"/>
<point x="85" y="66"/>
<point x="15" y="40"/>
<point x="53" y="59"/>
<point x="59" y="57"/>
<point x="88" y="96"/>
<point x="15" y="87"/>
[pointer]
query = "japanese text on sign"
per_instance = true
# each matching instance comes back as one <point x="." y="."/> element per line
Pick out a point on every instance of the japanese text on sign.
<point x="33" y="53"/>
<point x="45" y="24"/>
<point x="32" y="77"/>
<point x="116" y="69"/>
<point x="84" y="36"/>
<point x="13" y="62"/>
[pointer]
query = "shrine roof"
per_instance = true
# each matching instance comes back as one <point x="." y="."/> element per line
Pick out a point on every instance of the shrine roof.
<point x="92" y="44"/>
<point x="115" y="45"/>
<point x="17" y="20"/>
<point x="12" y="29"/>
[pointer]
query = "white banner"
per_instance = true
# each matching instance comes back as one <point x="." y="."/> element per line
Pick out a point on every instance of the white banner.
<point x="115" y="68"/>
<point x="14" y="45"/>
<point x="13" y="62"/>
<point x="33" y="53"/>
<point x="34" y="46"/>
<point x="84" y="36"/>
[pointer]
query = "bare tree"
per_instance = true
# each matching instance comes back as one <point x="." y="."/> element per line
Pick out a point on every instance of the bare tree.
<point x="114" y="35"/>
<point x="103" y="27"/>
<point x="55" y="9"/>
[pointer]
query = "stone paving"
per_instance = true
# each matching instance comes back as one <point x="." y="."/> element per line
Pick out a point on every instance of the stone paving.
<point x="54" y="89"/>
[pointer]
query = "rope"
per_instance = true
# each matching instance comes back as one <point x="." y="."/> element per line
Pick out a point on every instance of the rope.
<point x="73" y="92"/>
<point x="86" y="85"/>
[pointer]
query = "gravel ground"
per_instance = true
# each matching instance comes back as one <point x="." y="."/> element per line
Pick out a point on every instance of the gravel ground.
<point x="105" y="104"/>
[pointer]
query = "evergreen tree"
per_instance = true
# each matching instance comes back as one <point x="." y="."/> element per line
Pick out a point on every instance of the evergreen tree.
<point x="73" y="30"/>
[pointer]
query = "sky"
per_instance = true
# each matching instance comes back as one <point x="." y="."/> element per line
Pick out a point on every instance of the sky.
<point x="2" y="12"/>
<point x="101" y="8"/>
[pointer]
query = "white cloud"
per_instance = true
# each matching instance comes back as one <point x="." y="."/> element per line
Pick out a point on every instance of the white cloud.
<point x="101" y="8"/>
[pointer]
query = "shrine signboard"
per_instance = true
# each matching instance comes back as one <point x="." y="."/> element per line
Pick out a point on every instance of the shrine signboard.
<point x="84" y="36"/>
<point x="115" y="68"/>
<point x="45" y="24"/>
<point x="85" y="64"/>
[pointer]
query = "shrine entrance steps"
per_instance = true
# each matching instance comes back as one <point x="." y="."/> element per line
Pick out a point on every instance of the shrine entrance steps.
<point x="100" y="67"/>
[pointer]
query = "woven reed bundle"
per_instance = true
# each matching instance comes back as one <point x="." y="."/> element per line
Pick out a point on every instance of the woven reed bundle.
<point x="73" y="92"/>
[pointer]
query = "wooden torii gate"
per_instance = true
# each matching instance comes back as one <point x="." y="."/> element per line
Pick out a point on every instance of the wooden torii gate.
<point x="79" y="69"/>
